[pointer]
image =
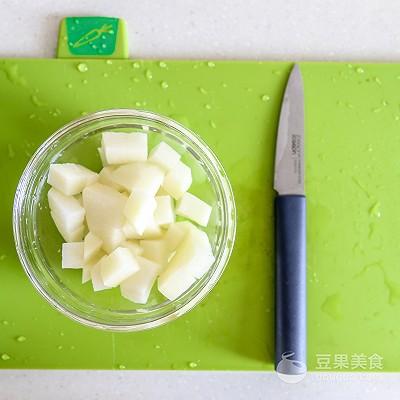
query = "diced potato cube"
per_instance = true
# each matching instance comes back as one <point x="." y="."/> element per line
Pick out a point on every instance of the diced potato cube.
<point x="122" y="148"/>
<point x="68" y="231"/>
<point x="70" y="178"/>
<point x="102" y="157"/>
<point x="104" y="214"/>
<point x="164" y="213"/>
<point x="134" y="246"/>
<point x="178" y="180"/>
<point x="95" y="274"/>
<point x="162" y="192"/>
<point x="193" y="255"/>
<point x="192" y="207"/>
<point x="72" y="255"/>
<point x="137" y="287"/>
<point x="67" y="207"/>
<point x="155" y="250"/>
<point x="173" y="282"/>
<point x="91" y="247"/>
<point x="176" y="233"/>
<point x="145" y="177"/>
<point x="165" y="156"/>
<point x="118" y="266"/>
<point x="152" y="231"/>
<point x="106" y="178"/>
<point x="139" y="210"/>
<point x="87" y="268"/>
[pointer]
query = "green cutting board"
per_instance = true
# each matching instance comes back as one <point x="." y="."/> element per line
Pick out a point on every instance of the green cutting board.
<point x="353" y="187"/>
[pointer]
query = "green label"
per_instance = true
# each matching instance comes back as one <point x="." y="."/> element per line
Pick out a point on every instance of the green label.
<point x="92" y="35"/>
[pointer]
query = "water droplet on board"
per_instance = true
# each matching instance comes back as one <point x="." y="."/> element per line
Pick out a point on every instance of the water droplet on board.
<point x="5" y="322"/>
<point x="331" y="306"/>
<point x="162" y="64"/>
<point x="69" y="85"/>
<point x="36" y="101"/>
<point x="121" y="366"/>
<point x="109" y="62"/>
<point x="265" y="98"/>
<point x="224" y="85"/>
<point x="82" y="67"/>
<point x="213" y="124"/>
<point x="13" y="75"/>
<point x="202" y="90"/>
<point x="85" y="81"/>
<point x="105" y="75"/>
<point x="192" y="364"/>
<point x="72" y="347"/>
<point x="20" y="339"/>
<point x="11" y="152"/>
<point x="375" y="210"/>
<point x="211" y="64"/>
<point x="360" y="70"/>
<point x="207" y="106"/>
<point x="164" y="85"/>
<point x="62" y="333"/>
<point x="157" y="347"/>
<point x="136" y="65"/>
<point x="376" y="110"/>
<point x="5" y="357"/>
<point x="377" y="80"/>
<point x="59" y="347"/>
<point x="149" y="75"/>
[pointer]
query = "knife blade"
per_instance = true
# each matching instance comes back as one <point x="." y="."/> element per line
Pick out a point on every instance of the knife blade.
<point x="290" y="234"/>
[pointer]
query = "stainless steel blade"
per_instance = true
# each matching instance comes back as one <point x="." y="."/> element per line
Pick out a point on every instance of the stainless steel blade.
<point x="289" y="153"/>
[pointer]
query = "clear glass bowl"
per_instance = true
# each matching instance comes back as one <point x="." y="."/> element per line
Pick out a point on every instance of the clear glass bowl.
<point x="38" y="243"/>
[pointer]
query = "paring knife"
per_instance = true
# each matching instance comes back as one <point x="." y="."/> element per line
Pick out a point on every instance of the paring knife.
<point x="290" y="234"/>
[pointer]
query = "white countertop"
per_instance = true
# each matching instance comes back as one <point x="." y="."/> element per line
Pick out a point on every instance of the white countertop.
<point x="252" y="29"/>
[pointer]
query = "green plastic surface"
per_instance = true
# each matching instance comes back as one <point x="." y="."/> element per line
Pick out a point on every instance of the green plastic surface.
<point x="352" y="176"/>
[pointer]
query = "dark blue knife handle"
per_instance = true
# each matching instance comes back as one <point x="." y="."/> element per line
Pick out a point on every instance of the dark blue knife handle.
<point x="290" y="282"/>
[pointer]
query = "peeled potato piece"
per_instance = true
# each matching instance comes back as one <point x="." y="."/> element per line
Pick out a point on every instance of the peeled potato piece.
<point x="72" y="255"/>
<point x="139" y="176"/>
<point x="152" y="231"/>
<point x="95" y="274"/>
<point x="155" y="250"/>
<point x="133" y="246"/>
<point x="137" y="288"/>
<point x="178" y="180"/>
<point x="164" y="156"/>
<point x="89" y="265"/>
<point x="91" y="246"/>
<point x="70" y="178"/>
<point x="68" y="232"/>
<point x="118" y="266"/>
<point x="106" y="178"/>
<point x="164" y="213"/>
<point x="104" y="214"/>
<point x="192" y="207"/>
<point x="139" y="210"/>
<point x="176" y="233"/>
<point x="122" y="148"/>
<point x="67" y="206"/>
<point x="174" y="282"/>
